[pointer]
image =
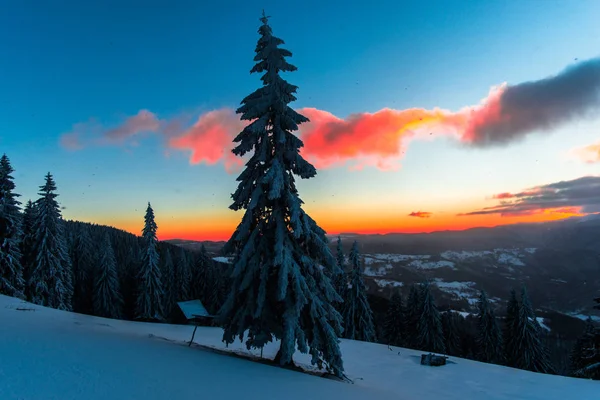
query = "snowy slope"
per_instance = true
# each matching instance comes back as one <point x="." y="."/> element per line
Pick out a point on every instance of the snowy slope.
<point x="51" y="354"/>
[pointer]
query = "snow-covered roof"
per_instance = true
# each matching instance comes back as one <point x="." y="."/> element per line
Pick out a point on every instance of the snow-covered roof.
<point x="193" y="308"/>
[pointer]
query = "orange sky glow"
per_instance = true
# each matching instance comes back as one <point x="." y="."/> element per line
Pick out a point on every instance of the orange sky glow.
<point x="221" y="227"/>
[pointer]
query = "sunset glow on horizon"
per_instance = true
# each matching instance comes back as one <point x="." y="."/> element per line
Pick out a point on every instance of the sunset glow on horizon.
<point x="416" y="125"/>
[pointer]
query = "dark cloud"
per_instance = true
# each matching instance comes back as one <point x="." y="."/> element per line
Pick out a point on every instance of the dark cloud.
<point x="513" y="111"/>
<point x="420" y="214"/>
<point x="577" y="196"/>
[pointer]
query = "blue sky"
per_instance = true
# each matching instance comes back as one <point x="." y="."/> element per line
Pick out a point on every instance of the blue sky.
<point x="69" y="62"/>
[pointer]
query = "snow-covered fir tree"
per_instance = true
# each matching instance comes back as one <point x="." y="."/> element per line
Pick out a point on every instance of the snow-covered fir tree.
<point x="278" y="289"/>
<point x="358" y="316"/>
<point x="489" y="340"/>
<point x="182" y="276"/>
<point x="205" y="281"/>
<point x="511" y="326"/>
<point x="108" y="302"/>
<point x="430" y="333"/>
<point x="129" y="273"/>
<point x="393" y="324"/>
<point x="450" y="326"/>
<point x="51" y="279"/>
<point x="11" y="233"/>
<point x="532" y="354"/>
<point x="585" y="356"/>
<point x="150" y="289"/>
<point x="83" y="261"/>
<point x="27" y="244"/>
<point x="340" y="281"/>
<point x="412" y="315"/>
<point x="169" y="282"/>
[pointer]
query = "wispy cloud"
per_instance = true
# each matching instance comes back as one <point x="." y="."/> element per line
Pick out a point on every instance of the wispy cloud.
<point x="92" y="133"/>
<point x="380" y="139"/>
<point x="71" y="141"/>
<point x="143" y="122"/>
<point x="589" y="154"/>
<point x="420" y="214"/>
<point x="578" y="197"/>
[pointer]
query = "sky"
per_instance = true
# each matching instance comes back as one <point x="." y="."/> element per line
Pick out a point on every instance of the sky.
<point x="424" y="116"/>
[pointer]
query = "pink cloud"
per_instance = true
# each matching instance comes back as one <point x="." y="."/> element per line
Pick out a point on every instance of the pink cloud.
<point x="210" y="139"/>
<point x="369" y="139"/>
<point x="93" y="133"/>
<point x="71" y="141"/>
<point x="143" y="121"/>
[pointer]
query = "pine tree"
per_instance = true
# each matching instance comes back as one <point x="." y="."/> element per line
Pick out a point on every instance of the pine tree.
<point x="150" y="293"/>
<point x="532" y="355"/>
<point x="129" y="280"/>
<point x="451" y="328"/>
<point x="430" y="333"/>
<point x="489" y="340"/>
<point x="202" y="285"/>
<point x="207" y="281"/>
<point x="83" y="271"/>
<point x="11" y="232"/>
<point x="27" y="244"/>
<point x="108" y="302"/>
<point x="358" y="317"/>
<point x="51" y="280"/>
<point x="182" y="275"/>
<point x="393" y="325"/>
<point x="340" y="281"/>
<point x="412" y="312"/>
<point x="278" y="289"/>
<point x="511" y="326"/>
<point x="585" y="353"/>
<point x="169" y="282"/>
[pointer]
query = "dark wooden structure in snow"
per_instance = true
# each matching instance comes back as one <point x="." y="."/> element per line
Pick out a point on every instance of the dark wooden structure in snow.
<point x="433" y="360"/>
<point x="195" y="312"/>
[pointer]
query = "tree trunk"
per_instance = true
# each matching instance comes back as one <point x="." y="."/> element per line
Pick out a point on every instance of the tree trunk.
<point x="277" y="359"/>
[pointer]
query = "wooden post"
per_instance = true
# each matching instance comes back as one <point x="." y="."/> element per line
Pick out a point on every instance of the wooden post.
<point x="194" y="333"/>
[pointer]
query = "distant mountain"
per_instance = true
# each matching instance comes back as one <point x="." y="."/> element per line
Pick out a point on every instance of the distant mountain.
<point x="559" y="262"/>
<point x="193" y="245"/>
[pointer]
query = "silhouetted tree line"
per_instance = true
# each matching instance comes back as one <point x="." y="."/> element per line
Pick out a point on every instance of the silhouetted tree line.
<point x="94" y="269"/>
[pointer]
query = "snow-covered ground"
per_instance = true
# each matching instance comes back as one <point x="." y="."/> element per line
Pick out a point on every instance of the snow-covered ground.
<point x="502" y="256"/>
<point x="420" y="264"/>
<point x="51" y="354"/>
<point x="388" y="258"/>
<point x="385" y="282"/>
<point x="585" y="316"/>
<point x="464" y="290"/>
<point x="381" y="271"/>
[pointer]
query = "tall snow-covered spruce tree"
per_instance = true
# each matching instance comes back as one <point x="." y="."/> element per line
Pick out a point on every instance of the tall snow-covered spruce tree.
<point x="27" y="244"/>
<point x="150" y="290"/>
<point x="11" y="270"/>
<point x="340" y="282"/>
<point x="489" y="339"/>
<point x="51" y="279"/>
<point x="358" y="316"/>
<point x="511" y="327"/>
<point x="430" y="334"/>
<point x="532" y="353"/>
<point x="107" y="298"/>
<point x="393" y="326"/>
<point x="278" y="286"/>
